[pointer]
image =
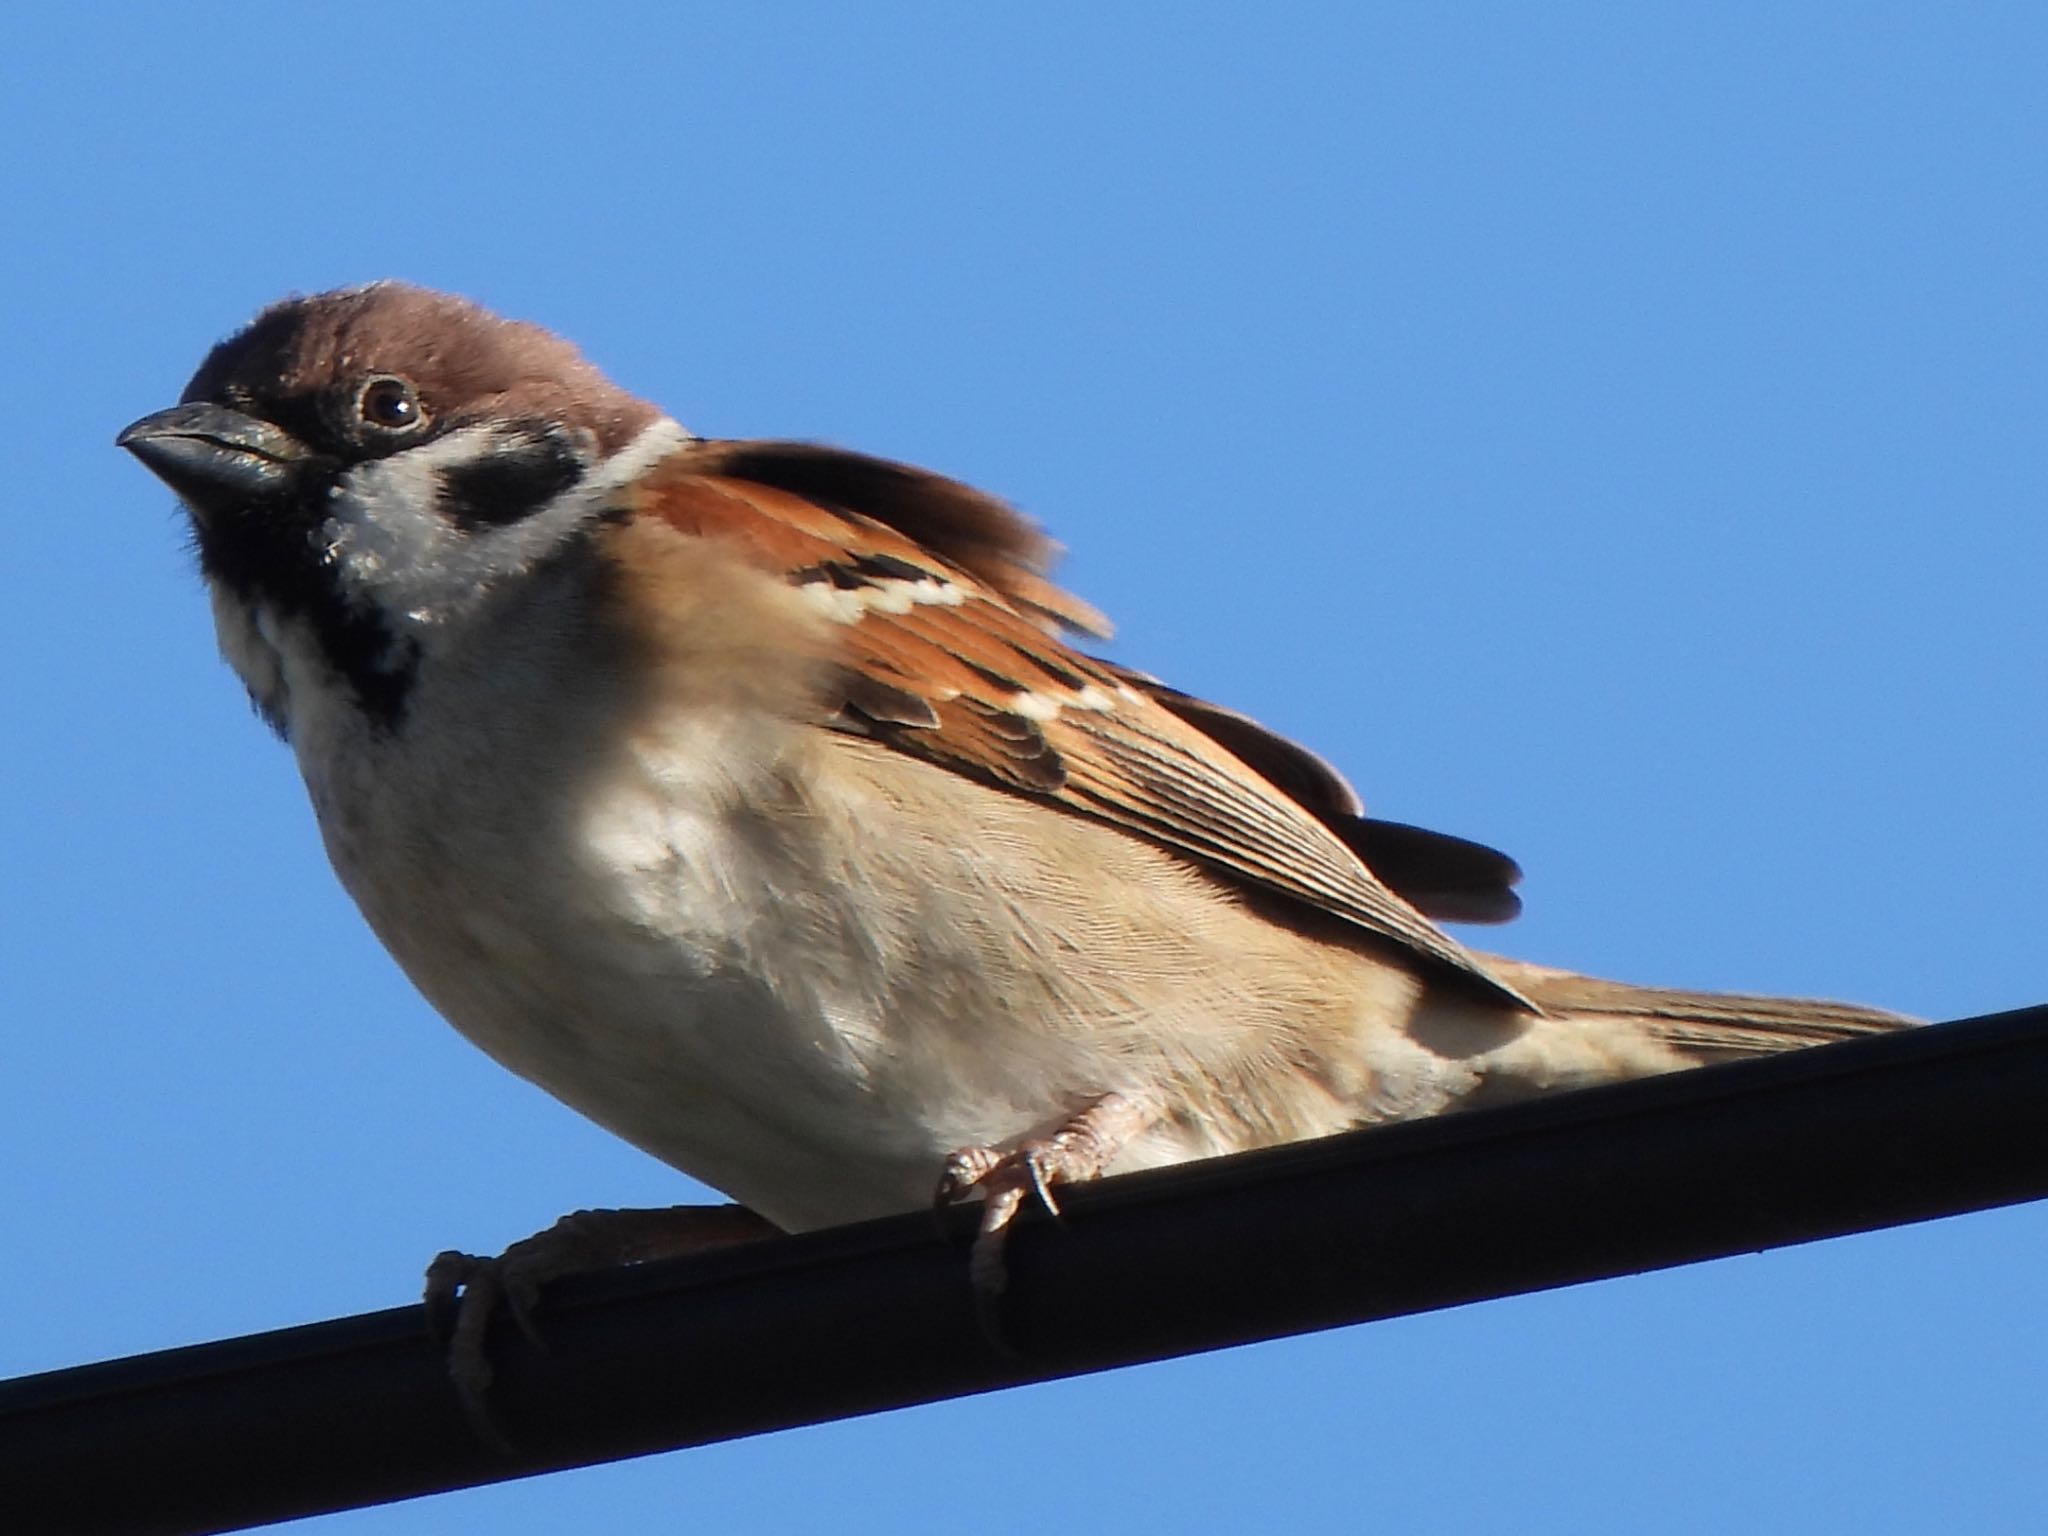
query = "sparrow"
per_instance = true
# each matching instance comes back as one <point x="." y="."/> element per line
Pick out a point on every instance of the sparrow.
<point x="758" y="800"/>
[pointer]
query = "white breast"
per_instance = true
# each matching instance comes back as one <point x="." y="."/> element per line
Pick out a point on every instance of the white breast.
<point x="804" y="967"/>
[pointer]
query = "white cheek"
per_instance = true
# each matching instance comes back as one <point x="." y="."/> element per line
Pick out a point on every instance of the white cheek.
<point x="387" y="540"/>
<point x="398" y="556"/>
<point x="249" y="644"/>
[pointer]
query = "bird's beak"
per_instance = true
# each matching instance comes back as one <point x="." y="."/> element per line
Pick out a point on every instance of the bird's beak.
<point x="215" y="459"/>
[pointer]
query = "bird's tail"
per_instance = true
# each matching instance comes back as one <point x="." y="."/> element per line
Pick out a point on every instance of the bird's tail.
<point x="1700" y="1027"/>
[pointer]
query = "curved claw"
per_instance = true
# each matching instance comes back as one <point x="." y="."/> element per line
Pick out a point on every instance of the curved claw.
<point x="461" y="1294"/>
<point x="1039" y="1166"/>
<point x="450" y="1271"/>
<point x="463" y="1290"/>
<point x="1079" y="1149"/>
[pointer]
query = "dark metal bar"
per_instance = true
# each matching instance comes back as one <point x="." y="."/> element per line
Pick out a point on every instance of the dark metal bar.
<point x="1376" y="1224"/>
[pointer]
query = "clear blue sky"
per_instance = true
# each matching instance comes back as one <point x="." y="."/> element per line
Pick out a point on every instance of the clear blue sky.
<point x="1615" y="432"/>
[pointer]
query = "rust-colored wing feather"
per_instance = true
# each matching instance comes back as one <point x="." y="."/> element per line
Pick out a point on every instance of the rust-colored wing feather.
<point x="952" y="652"/>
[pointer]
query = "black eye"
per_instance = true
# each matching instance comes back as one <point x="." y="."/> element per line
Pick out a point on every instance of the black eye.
<point x="390" y="405"/>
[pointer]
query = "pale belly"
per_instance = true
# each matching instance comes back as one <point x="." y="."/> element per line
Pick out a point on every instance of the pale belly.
<point x="807" y="996"/>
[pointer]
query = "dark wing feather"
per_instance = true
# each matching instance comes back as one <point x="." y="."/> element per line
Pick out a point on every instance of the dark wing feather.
<point x="1453" y="879"/>
<point x="1448" y="878"/>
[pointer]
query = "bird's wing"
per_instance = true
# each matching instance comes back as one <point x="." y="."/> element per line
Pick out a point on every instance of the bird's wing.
<point x="950" y="649"/>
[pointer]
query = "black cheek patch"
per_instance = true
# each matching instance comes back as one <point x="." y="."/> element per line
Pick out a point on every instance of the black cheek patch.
<point x="509" y="485"/>
<point x="269" y="554"/>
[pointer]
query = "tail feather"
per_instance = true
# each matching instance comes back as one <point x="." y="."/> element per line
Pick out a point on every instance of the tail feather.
<point x="1704" y="1026"/>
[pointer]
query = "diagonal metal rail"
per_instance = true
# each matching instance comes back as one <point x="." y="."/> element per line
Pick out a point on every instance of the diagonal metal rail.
<point x="1379" y="1223"/>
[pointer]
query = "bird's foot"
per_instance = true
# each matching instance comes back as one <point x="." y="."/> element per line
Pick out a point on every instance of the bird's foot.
<point x="1076" y="1151"/>
<point x="464" y="1290"/>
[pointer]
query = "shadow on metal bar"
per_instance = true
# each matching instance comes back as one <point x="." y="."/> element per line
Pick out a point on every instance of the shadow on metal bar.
<point x="1375" y="1224"/>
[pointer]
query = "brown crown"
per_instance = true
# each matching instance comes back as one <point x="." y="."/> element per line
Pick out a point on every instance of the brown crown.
<point x="466" y="362"/>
